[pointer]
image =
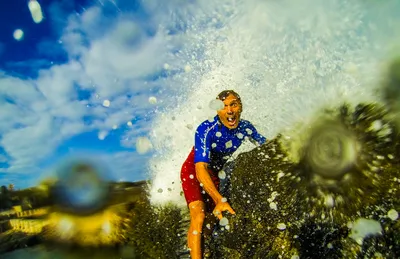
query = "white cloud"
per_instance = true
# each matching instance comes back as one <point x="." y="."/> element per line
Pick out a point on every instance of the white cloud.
<point x="3" y="159"/>
<point x="29" y="144"/>
<point x="57" y="83"/>
<point x="127" y="165"/>
<point x="115" y="64"/>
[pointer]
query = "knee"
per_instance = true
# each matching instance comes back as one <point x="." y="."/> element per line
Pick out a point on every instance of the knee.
<point x="196" y="224"/>
<point x="198" y="217"/>
<point x="197" y="214"/>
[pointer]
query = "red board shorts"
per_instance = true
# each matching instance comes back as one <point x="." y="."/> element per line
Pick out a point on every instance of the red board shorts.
<point x="191" y="186"/>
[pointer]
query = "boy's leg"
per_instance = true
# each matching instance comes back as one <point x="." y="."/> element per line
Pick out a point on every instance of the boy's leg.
<point x="210" y="221"/>
<point x="192" y="191"/>
<point x="196" y="224"/>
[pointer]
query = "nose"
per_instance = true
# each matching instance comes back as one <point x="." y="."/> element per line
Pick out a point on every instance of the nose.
<point x="229" y="109"/>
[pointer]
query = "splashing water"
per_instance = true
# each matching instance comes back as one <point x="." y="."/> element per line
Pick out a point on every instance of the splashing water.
<point x="286" y="59"/>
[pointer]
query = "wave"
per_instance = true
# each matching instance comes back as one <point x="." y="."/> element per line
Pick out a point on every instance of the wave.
<point x="286" y="59"/>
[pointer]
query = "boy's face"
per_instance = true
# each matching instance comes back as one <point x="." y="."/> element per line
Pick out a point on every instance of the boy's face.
<point x="230" y="114"/>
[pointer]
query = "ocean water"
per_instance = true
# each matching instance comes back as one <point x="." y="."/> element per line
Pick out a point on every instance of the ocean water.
<point x="287" y="60"/>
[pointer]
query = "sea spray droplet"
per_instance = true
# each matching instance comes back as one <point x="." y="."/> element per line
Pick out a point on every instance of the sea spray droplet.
<point x="143" y="145"/>
<point x="152" y="100"/>
<point x="393" y="214"/>
<point x="106" y="103"/>
<point x="222" y="174"/>
<point x="102" y="134"/>
<point x="332" y="150"/>
<point x="35" y="10"/>
<point x="188" y="68"/>
<point x="18" y="34"/>
<point x="281" y="226"/>
<point x="329" y="201"/>
<point x="364" y="227"/>
<point x="216" y="105"/>
<point x="81" y="186"/>
<point x="224" y="221"/>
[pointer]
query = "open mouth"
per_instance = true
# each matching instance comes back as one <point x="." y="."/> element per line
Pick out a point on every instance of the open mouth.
<point x="231" y="120"/>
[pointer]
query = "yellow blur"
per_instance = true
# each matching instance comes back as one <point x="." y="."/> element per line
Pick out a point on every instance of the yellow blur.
<point x="97" y="229"/>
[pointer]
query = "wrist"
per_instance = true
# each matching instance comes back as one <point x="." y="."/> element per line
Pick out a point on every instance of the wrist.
<point x="218" y="199"/>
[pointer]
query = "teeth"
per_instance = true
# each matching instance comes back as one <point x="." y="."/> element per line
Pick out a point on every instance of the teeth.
<point x="230" y="119"/>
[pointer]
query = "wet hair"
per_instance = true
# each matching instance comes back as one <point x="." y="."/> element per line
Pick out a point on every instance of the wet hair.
<point x="222" y="95"/>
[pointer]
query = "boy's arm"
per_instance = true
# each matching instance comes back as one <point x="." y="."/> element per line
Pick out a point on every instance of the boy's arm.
<point x="202" y="159"/>
<point x="208" y="185"/>
<point x="260" y="139"/>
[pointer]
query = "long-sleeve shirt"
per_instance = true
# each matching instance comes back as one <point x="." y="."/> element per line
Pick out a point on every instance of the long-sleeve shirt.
<point x="214" y="143"/>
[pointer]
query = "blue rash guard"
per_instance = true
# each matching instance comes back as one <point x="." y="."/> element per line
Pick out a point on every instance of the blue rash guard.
<point x="214" y="142"/>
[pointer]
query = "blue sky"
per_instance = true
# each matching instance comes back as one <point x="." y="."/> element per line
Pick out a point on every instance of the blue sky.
<point x="56" y="81"/>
